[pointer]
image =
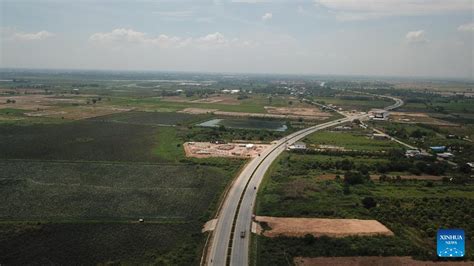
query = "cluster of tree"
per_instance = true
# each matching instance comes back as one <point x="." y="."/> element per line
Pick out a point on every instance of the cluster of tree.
<point x="336" y="153"/>
<point x="11" y="101"/>
<point x="357" y="97"/>
<point x="403" y="133"/>
<point x="414" y="167"/>
<point x="356" y="177"/>
<point x="242" y="96"/>
<point x="426" y="214"/>
<point x="82" y="85"/>
<point x="94" y="100"/>
<point x="201" y="93"/>
<point x="282" y="250"/>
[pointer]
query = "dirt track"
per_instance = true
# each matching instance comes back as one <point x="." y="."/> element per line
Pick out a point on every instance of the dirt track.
<point x="370" y="261"/>
<point x="299" y="227"/>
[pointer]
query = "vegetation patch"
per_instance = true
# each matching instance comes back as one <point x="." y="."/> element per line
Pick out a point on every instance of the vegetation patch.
<point x="106" y="243"/>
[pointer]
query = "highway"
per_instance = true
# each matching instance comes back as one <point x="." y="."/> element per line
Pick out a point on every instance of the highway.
<point x="227" y="247"/>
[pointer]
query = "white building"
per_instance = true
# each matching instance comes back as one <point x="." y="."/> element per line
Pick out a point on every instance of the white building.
<point x="297" y="146"/>
<point x="379" y="114"/>
<point x="445" y="155"/>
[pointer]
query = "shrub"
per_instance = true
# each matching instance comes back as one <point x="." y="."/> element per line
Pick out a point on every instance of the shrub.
<point x="369" y="202"/>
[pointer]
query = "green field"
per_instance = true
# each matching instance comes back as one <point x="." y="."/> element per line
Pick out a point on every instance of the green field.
<point x="254" y="104"/>
<point x="360" y="140"/>
<point x="355" y="104"/>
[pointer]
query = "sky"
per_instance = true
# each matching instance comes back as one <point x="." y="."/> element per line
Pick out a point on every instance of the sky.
<point x="427" y="38"/>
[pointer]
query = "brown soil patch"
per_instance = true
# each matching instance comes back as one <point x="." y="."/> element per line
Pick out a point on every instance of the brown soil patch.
<point x="299" y="227"/>
<point x="414" y="118"/>
<point x="370" y="261"/>
<point x="197" y="111"/>
<point x="377" y="177"/>
<point x="409" y="114"/>
<point x="296" y="111"/>
<point x="234" y="150"/>
<point x="218" y="99"/>
<point x="209" y="226"/>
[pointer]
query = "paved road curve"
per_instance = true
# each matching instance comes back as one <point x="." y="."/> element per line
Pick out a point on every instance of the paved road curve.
<point x="236" y="212"/>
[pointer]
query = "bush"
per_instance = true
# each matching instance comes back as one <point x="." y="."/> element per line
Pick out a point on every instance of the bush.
<point x="369" y="202"/>
<point x="355" y="177"/>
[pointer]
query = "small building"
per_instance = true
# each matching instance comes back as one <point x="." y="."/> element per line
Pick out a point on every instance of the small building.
<point x="380" y="136"/>
<point x="298" y="146"/>
<point x="438" y="148"/>
<point x="249" y="146"/>
<point x="379" y="114"/>
<point x="445" y="155"/>
<point x="415" y="153"/>
<point x="342" y="128"/>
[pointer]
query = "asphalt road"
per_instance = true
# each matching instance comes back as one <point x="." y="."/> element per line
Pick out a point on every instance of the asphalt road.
<point x="239" y="203"/>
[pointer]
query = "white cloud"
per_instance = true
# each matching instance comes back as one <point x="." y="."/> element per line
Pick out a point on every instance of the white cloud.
<point x="347" y="10"/>
<point x="267" y="16"/>
<point x="416" y="36"/>
<point x="250" y="1"/>
<point x="467" y="27"/>
<point x="176" y="14"/>
<point x="205" y="20"/>
<point x="12" y="34"/>
<point x="301" y="10"/>
<point x="213" y="38"/>
<point x="121" y="36"/>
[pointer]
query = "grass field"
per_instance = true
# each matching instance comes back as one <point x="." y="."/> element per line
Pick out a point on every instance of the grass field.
<point x="360" y="141"/>
<point x="350" y="104"/>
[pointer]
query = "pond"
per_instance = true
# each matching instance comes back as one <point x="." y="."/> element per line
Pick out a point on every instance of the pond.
<point x="246" y="124"/>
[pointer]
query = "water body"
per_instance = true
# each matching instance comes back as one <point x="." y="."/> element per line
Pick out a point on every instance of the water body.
<point x="246" y="124"/>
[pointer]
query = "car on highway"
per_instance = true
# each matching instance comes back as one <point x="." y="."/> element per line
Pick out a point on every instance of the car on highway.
<point x="242" y="234"/>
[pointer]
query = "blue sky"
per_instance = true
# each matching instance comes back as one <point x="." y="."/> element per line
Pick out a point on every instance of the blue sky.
<point x="345" y="37"/>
